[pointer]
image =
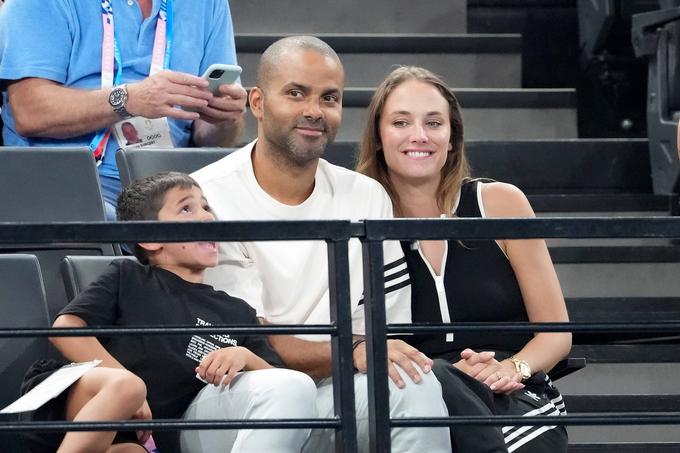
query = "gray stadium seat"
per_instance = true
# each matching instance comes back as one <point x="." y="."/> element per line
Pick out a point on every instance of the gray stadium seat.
<point x="23" y="305"/>
<point x="79" y="271"/>
<point x="51" y="185"/>
<point x="56" y="184"/>
<point x="136" y="163"/>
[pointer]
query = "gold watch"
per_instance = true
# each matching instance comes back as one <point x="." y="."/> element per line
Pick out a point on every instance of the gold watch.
<point x="521" y="367"/>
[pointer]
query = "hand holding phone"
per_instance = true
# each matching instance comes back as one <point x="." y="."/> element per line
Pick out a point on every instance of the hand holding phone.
<point x="220" y="74"/>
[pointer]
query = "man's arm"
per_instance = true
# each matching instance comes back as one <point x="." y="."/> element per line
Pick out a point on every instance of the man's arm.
<point x="43" y="108"/>
<point x="310" y="357"/>
<point x="314" y="358"/>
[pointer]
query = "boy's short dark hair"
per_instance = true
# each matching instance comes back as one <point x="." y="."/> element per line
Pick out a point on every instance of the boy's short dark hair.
<point x="144" y="198"/>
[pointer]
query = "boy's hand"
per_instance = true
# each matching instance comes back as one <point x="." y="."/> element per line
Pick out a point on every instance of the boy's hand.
<point x="221" y="366"/>
<point x="143" y="413"/>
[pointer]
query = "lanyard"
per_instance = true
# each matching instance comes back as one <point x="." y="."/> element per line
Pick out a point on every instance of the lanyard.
<point x="112" y="63"/>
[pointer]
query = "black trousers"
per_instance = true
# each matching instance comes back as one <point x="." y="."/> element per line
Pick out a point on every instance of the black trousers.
<point x="465" y="395"/>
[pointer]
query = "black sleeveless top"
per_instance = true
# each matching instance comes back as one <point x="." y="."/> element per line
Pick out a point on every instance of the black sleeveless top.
<point x="480" y="286"/>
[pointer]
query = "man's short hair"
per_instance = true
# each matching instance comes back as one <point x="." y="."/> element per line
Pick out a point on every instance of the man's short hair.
<point x="144" y="199"/>
<point x="271" y="58"/>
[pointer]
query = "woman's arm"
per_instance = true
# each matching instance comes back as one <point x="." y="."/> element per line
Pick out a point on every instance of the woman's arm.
<point x="537" y="279"/>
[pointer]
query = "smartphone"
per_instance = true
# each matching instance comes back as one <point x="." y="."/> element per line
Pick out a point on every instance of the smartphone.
<point x="219" y="74"/>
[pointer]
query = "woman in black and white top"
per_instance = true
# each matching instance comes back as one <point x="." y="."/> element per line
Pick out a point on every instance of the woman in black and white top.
<point x="413" y="145"/>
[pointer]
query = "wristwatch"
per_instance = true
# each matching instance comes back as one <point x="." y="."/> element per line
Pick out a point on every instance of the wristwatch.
<point x="521" y="367"/>
<point x="117" y="99"/>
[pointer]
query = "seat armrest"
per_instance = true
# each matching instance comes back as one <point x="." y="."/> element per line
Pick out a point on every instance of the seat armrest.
<point x="566" y="367"/>
<point x="644" y="27"/>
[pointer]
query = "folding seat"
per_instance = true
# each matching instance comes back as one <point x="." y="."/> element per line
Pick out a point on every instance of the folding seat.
<point x="47" y="185"/>
<point x="136" y="163"/>
<point x="79" y="271"/>
<point x="23" y="305"/>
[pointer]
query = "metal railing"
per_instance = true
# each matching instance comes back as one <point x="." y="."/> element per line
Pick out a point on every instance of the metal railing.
<point x="337" y="234"/>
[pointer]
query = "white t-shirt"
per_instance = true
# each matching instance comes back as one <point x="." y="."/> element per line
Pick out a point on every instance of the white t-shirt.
<point x="287" y="281"/>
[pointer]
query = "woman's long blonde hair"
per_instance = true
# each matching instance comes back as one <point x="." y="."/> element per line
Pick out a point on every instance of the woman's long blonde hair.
<point x="371" y="161"/>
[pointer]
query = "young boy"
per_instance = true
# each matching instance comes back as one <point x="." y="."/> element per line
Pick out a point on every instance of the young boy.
<point x="144" y="375"/>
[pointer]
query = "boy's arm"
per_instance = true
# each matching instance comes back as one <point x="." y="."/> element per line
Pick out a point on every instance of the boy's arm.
<point x="81" y="349"/>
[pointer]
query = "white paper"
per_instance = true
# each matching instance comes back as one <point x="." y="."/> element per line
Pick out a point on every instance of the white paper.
<point x="51" y="387"/>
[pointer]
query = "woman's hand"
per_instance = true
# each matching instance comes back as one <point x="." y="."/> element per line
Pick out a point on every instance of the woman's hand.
<point x="501" y="377"/>
<point x="221" y="366"/>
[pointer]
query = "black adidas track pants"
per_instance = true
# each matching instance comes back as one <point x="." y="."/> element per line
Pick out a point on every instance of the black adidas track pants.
<point x="465" y="395"/>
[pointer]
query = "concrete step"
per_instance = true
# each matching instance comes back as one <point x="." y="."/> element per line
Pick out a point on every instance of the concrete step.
<point x="349" y="16"/>
<point x="567" y="166"/>
<point x="600" y="204"/>
<point x="493" y="114"/>
<point x="624" y="310"/>
<point x="622" y="447"/>
<point x="485" y="61"/>
<point x="619" y="279"/>
<point x="614" y="385"/>
<point x="622" y="403"/>
<point x="667" y="253"/>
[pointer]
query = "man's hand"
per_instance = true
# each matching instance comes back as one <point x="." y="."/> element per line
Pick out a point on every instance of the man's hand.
<point x="221" y="366"/>
<point x="143" y="413"/>
<point x="501" y="377"/>
<point x="162" y="95"/>
<point x="227" y="107"/>
<point x="398" y="353"/>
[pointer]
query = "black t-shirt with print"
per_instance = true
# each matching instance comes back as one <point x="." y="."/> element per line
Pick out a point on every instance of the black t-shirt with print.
<point x="129" y="294"/>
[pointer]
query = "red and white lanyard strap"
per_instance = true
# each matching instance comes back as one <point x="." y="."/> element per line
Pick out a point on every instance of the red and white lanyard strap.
<point x="112" y="63"/>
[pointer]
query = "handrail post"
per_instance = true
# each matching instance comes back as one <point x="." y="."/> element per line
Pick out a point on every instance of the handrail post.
<point x="376" y="346"/>
<point x="341" y="345"/>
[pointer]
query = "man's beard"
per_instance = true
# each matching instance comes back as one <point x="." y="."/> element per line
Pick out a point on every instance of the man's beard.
<point x="292" y="147"/>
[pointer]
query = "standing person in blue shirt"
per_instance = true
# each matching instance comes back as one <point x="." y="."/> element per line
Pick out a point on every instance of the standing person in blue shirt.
<point x="72" y="71"/>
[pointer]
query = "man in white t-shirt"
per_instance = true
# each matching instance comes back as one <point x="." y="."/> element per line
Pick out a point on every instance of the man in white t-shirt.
<point x="280" y="176"/>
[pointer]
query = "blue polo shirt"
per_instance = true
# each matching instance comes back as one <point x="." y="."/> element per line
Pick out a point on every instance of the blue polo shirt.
<point x="61" y="40"/>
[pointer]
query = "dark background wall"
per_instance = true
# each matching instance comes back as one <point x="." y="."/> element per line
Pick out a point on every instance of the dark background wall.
<point x="611" y="85"/>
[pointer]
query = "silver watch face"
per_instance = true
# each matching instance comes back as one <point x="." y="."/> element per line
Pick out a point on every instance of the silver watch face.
<point x="117" y="97"/>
